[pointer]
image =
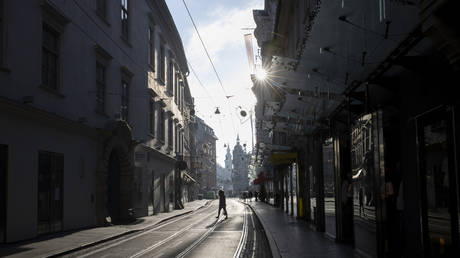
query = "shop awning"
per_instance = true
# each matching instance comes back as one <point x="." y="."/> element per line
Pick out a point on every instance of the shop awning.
<point x="260" y="179"/>
<point x="283" y="158"/>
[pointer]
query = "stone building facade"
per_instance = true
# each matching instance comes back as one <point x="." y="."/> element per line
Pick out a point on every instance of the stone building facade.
<point x="204" y="159"/>
<point x="240" y="165"/>
<point x="94" y="111"/>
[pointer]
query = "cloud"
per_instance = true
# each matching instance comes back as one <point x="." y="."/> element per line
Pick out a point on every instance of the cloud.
<point x="221" y="31"/>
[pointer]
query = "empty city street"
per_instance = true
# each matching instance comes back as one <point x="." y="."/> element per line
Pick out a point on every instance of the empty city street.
<point x="198" y="234"/>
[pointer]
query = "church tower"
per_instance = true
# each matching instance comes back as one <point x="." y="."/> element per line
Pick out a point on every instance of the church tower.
<point x="240" y="168"/>
<point x="228" y="160"/>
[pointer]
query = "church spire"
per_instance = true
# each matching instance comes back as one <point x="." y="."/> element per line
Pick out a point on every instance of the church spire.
<point x="237" y="138"/>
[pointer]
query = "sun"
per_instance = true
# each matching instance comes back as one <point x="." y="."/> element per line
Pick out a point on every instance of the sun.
<point x="261" y="74"/>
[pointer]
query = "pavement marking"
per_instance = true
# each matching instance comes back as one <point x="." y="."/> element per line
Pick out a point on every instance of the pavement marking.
<point x="141" y="234"/>
<point x="169" y="238"/>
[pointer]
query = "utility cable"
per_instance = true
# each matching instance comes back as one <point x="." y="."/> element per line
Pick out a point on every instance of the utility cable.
<point x="212" y="63"/>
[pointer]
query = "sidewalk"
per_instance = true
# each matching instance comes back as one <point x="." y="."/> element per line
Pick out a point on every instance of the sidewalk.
<point x="65" y="242"/>
<point x="289" y="237"/>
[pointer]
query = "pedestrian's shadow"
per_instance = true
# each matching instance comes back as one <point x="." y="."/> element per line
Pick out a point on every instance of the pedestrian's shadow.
<point x="215" y="222"/>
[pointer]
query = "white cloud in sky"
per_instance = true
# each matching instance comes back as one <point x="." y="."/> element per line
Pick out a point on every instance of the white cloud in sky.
<point x="221" y="31"/>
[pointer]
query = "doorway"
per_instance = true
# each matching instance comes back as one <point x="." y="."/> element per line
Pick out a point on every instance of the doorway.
<point x="50" y="192"/>
<point x="113" y="187"/>
<point x="439" y="177"/>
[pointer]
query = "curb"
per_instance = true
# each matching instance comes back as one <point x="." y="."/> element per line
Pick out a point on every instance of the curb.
<point x="91" y="244"/>
<point x="271" y="241"/>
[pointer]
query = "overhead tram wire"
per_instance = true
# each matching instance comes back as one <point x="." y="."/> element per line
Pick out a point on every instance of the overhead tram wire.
<point x="207" y="93"/>
<point x="212" y="63"/>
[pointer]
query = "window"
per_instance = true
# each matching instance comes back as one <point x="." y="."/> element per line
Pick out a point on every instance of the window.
<point x="176" y="138"/>
<point x="151" y="53"/>
<point x="152" y="117"/>
<point x="181" y="97"/>
<point x="181" y="144"/>
<point x="101" y="8"/>
<point x="124" y="100"/>
<point x="100" y="87"/>
<point x="176" y="85"/>
<point x="161" y="126"/>
<point x="124" y="18"/>
<point x="161" y="63"/>
<point x="170" y="76"/>
<point x="170" y="133"/>
<point x="50" y="57"/>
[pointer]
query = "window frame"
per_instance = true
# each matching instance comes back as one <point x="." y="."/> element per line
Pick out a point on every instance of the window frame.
<point x="162" y="63"/>
<point x="47" y="51"/>
<point x="101" y="106"/>
<point x="161" y="126"/>
<point x="170" y="133"/>
<point x="151" y="47"/>
<point x="152" y="117"/>
<point x="170" y="78"/>
<point x="124" y="6"/>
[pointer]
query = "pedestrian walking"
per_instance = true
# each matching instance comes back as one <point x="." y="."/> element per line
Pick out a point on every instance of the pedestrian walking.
<point x="250" y="196"/>
<point x="255" y="195"/>
<point x="222" y="204"/>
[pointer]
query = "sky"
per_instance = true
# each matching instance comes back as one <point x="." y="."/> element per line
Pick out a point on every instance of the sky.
<point x="222" y="25"/>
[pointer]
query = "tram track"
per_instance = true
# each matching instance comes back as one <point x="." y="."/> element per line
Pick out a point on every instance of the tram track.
<point x="118" y="242"/>
<point x="192" y="235"/>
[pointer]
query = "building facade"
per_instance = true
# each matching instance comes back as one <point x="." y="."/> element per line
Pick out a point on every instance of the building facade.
<point x="240" y="164"/>
<point x="363" y="117"/>
<point x="94" y="106"/>
<point x="204" y="159"/>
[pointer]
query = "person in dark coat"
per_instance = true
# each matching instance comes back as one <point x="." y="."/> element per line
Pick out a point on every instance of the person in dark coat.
<point x="222" y="204"/>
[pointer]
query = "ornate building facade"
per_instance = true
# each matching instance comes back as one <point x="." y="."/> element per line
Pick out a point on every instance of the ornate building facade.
<point x="94" y="114"/>
<point x="240" y="164"/>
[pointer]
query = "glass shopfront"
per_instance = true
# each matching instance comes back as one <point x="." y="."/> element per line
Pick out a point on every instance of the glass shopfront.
<point x="366" y="183"/>
<point x="329" y="188"/>
<point x="439" y="183"/>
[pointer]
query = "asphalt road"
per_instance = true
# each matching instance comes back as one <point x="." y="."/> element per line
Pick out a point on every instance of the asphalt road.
<point x="198" y="234"/>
